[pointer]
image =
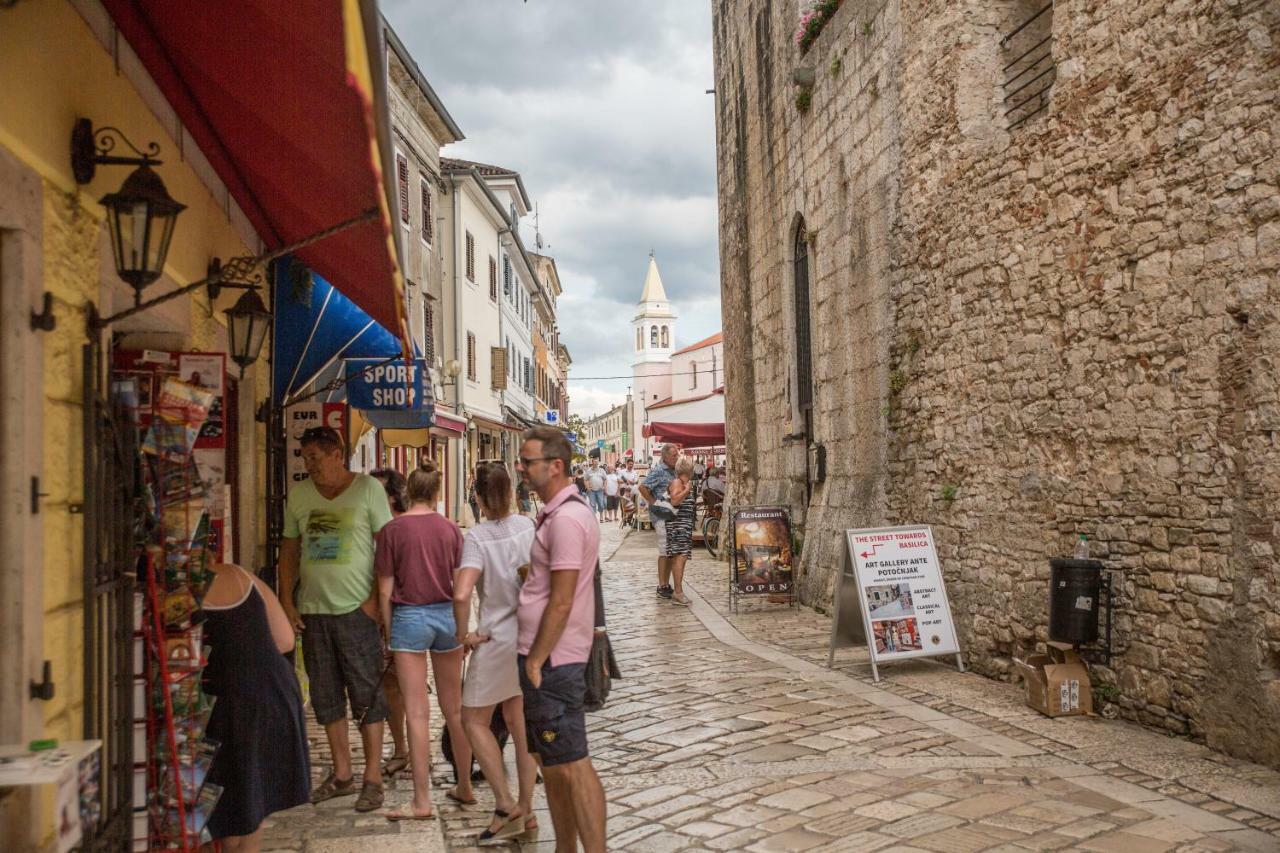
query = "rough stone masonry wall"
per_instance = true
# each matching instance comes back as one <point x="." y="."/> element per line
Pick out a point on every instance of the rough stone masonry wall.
<point x="1020" y="336"/>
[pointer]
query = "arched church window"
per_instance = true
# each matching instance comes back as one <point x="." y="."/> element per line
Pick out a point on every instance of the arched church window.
<point x="666" y="341"/>
<point x="653" y="336"/>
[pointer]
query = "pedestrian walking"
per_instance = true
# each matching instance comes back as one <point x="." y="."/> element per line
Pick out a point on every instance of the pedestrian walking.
<point x="248" y="635"/>
<point x="680" y="528"/>
<point x="655" y="486"/>
<point x="417" y="556"/>
<point x="393" y="483"/>
<point x="595" y="489"/>
<point x="471" y="500"/>
<point x="495" y="558"/>
<point x="330" y="521"/>
<point x="556" y="619"/>
<point x="611" y="484"/>
<point x="523" y="497"/>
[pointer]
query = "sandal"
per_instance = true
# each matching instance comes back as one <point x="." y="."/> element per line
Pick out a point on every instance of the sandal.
<point x="332" y="787"/>
<point x="453" y="796"/>
<point x="370" y="798"/>
<point x="394" y="765"/>
<point x="510" y="826"/>
<point x="408" y="814"/>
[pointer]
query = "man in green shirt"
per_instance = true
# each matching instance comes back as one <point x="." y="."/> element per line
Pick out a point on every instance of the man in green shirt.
<point x="330" y="521"/>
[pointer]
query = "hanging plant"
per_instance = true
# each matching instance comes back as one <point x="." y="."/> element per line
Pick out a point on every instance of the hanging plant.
<point x="812" y="21"/>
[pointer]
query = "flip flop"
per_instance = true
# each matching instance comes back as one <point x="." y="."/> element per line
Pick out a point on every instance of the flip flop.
<point x="409" y="815"/>
<point x="451" y="795"/>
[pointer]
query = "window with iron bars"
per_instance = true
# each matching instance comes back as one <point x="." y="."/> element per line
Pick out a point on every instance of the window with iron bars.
<point x="1026" y="54"/>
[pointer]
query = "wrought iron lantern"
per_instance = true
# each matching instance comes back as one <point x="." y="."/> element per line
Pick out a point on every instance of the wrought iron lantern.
<point x="140" y="215"/>
<point x="247" y="324"/>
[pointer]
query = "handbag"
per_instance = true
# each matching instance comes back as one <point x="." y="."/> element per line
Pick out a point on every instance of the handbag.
<point x="602" y="666"/>
<point x="662" y="510"/>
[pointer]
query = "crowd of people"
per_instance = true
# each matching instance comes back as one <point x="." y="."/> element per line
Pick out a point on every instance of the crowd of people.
<point x="384" y="586"/>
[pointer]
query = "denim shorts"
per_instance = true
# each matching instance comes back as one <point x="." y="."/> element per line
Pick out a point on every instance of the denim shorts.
<point x="554" y="718"/>
<point x="423" y="628"/>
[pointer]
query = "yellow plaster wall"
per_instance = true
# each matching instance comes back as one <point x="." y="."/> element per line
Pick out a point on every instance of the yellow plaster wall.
<point x="52" y="71"/>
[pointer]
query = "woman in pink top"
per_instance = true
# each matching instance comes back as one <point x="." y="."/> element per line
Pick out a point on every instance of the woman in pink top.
<point x="416" y="557"/>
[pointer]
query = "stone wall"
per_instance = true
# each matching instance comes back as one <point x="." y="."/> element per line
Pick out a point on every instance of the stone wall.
<point x="1025" y="334"/>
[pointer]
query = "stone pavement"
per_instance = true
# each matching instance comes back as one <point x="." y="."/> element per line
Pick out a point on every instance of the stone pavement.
<point x="728" y="733"/>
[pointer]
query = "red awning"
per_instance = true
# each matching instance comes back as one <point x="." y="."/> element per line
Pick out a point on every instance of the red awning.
<point x="285" y="100"/>
<point x="449" y="422"/>
<point x="686" y="435"/>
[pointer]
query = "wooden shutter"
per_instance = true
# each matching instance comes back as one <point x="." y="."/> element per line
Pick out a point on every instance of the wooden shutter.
<point x="498" y="368"/>
<point x="402" y="177"/>
<point x="428" y="219"/>
<point x="506" y="277"/>
<point x="429" y="333"/>
<point x="471" y="356"/>
<point x="493" y="279"/>
<point x="471" y="257"/>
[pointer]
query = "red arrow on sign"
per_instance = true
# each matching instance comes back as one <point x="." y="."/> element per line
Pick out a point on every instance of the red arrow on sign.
<point x="870" y="553"/>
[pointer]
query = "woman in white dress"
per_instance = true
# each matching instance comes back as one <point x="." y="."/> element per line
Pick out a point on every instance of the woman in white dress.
<point x="495" y="561"/>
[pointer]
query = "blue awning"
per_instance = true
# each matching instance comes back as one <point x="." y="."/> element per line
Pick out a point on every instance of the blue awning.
<point x="314" y="327"/>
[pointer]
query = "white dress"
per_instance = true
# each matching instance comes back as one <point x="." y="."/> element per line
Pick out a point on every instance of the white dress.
<point x="499" y="549"/>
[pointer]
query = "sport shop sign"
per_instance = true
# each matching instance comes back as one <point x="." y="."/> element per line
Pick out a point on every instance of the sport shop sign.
<point x="892" y="597"/>
<point x="373" y="384"/>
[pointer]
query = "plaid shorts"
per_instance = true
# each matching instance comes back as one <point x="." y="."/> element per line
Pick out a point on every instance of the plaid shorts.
<point x="343" y="656"/>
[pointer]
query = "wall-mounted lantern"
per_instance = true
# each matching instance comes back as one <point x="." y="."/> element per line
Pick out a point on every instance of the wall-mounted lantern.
<point x="247" y="324"/>
<point x="140" y="215"/>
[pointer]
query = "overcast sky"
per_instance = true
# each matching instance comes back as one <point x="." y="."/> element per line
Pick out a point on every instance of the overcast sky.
<point x="601" y="106"/>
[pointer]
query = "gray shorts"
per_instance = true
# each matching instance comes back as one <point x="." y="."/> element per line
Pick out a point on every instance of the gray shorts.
<point x="660" y="528"/>
<point x="343" y="656"/>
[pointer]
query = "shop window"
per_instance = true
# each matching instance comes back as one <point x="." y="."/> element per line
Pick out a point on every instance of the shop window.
<point x="471" y="356"/>
<point x="471" y="258"/>
<point x="402" y="179"/>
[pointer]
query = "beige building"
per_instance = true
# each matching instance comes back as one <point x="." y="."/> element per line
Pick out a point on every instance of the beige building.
<point x="1013" y="270"/>
<point x="610" y="434"/>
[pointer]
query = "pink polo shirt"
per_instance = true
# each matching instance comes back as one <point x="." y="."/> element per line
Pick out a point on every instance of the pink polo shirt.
<point x="567" y="540"/>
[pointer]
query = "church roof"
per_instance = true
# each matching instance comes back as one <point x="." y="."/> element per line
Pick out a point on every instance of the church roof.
<point x="653" y="289"/>
<point x="717" y="338"/>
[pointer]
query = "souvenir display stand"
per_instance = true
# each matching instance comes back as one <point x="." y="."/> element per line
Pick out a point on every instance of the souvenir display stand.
<point x="180" y="546"/>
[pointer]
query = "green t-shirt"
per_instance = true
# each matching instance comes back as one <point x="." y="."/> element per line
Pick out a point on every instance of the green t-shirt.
<point x="336" y="566"/>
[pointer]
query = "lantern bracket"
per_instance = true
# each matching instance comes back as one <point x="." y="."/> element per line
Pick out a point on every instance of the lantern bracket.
<point x="242" y="273"/>
<point x="91" y="148"/>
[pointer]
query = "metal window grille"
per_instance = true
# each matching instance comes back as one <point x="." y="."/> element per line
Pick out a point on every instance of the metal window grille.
<point x="804" y="352"/>
<point x="471" y="257"/>
<point x="402" y="178"/>
<point x="1029" y="71"/>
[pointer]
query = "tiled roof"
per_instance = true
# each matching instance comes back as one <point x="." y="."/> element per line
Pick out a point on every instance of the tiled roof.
<point x="454" y="164"/>
<point x="717" y="338"/>
<point x="670" y="402"/>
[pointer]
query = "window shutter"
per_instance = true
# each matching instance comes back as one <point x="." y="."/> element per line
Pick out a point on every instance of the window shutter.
<point x="428" y="220"/>
<point x="506" y="277"/>
<point x="471" y="257"/>
<point x="402" y="177"/>
<point x="493" y="279"/>
<point x="498" y="368"/>
<point x="429" y="333"/>
<point x="471" y="356"/>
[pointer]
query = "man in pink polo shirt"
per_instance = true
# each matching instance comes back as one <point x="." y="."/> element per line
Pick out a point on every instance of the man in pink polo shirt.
<point x="556" y="624"/>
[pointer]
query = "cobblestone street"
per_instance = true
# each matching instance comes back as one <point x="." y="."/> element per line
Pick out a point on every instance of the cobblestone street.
<point x="728" y="733"/>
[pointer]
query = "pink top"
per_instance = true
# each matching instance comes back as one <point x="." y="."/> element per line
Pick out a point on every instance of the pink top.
<point x="567" y="540"/>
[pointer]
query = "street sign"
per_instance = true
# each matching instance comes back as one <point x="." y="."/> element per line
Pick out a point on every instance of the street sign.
<point x="600" y="443"/>
<point x="893" y="585"/>
<point x="551" y="416"/>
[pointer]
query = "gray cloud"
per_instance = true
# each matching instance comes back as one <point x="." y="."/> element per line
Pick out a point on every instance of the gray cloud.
<point x="601" y="107"/>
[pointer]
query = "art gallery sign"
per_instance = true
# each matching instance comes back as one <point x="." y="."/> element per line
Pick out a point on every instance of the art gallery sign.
<point x="892" y="596"/>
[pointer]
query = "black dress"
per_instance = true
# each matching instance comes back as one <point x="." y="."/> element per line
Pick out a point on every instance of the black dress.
<point x="262" y="762"/>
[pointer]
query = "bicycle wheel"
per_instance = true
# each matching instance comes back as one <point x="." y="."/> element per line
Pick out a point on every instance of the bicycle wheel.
<point x="711" y="536"/>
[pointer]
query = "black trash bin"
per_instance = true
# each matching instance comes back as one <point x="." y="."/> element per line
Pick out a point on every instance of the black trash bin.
<point x="1074" y="589"/>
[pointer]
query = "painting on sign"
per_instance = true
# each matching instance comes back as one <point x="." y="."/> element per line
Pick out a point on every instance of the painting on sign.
<point x="896" y="635"/>
<point x="763" y="560"/>
<point x="888" y="600"/>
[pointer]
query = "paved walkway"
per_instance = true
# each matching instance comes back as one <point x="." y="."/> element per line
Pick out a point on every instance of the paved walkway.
<point x="728" y="733"/>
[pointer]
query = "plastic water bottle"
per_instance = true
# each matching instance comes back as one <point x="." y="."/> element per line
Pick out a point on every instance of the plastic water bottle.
<point x="1082" y="548"/>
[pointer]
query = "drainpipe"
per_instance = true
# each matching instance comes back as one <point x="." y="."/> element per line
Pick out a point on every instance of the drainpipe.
<point x="458" y="352"/>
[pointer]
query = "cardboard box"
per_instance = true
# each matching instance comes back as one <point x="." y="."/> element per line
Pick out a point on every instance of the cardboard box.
<point x="1057" y="682"/>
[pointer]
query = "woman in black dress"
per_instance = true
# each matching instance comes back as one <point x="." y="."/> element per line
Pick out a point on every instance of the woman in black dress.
<point x="261" y="762"/>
